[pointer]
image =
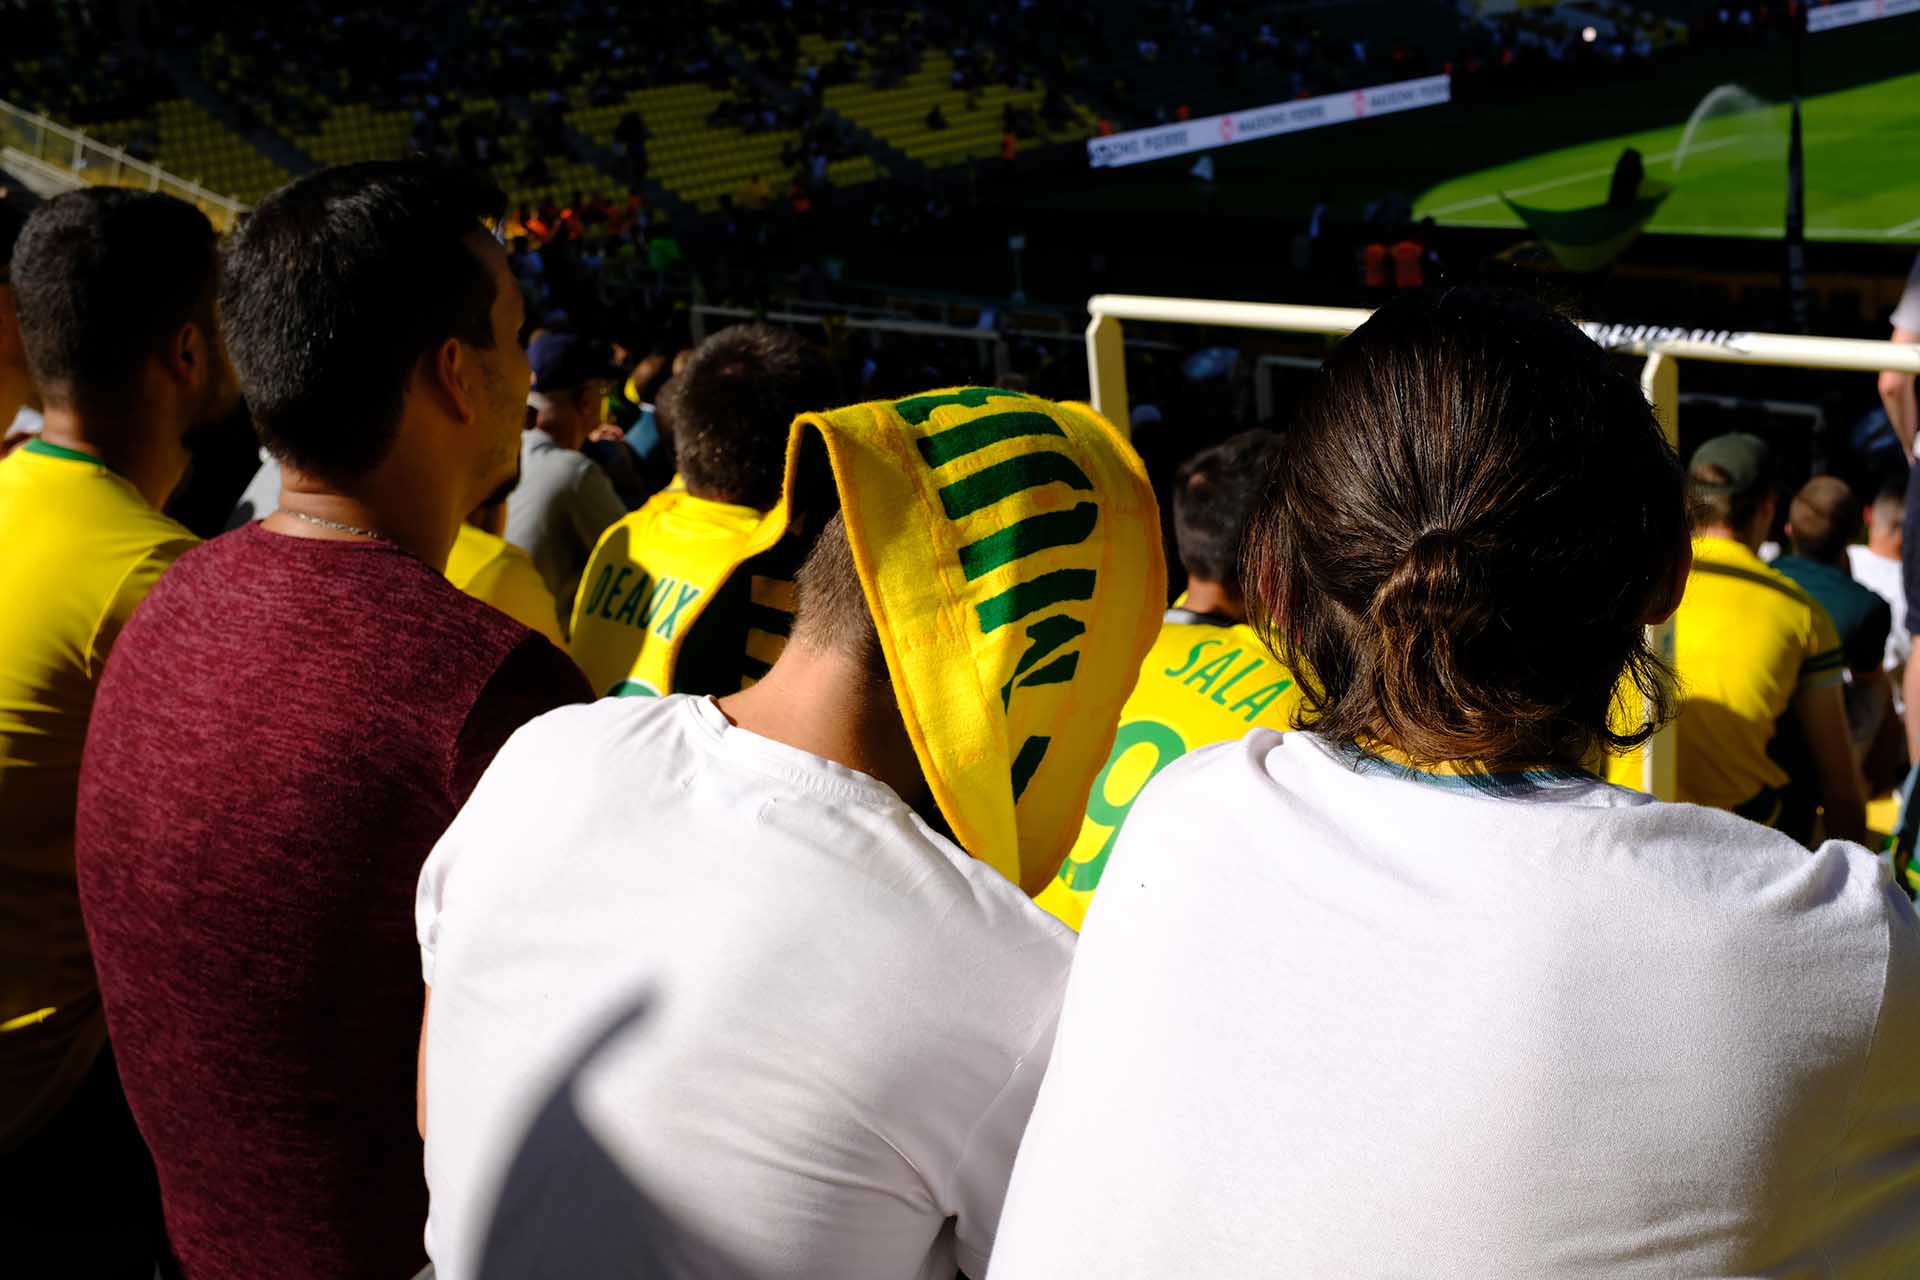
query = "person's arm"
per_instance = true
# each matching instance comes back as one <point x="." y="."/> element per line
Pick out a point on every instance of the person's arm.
<point x="1897" y="394"/>
<point x="986" y="1159"/>
<point x="420" y="1069"/>
<point x="1822" y="713"/>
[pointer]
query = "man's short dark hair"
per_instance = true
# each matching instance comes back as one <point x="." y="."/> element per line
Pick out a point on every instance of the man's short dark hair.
<point x="101" y="278"/>
<point x="337" y="286"/>
<point x="730" y="409"/>
<point x="831" y="610"/>
<point x="1215" y="494"/>
<point x="1822" y="519"/>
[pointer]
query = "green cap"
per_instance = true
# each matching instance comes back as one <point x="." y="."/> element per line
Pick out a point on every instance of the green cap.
<point x="1745" y="458"/>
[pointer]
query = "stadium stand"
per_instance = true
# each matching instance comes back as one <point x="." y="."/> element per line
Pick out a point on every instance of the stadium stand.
<point x="185" y="138"/>
<point x="976" y="118"/>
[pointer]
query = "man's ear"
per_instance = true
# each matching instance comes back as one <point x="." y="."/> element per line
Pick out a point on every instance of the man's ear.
<point x="188" y="355"/>
<point x="452" y="378"/>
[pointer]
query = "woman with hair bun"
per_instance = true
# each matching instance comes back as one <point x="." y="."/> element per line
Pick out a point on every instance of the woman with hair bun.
<point x="1411" y="991"/>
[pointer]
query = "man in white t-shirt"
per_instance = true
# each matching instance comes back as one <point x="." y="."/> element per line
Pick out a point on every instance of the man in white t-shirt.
<point x="1876" y="566"/>
<point x="711" y="991"/>
<point x="1903" y="412"/>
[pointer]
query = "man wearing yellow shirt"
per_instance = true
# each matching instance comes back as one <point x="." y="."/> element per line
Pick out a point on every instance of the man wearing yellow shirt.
<point x="489" y="568"/>
<point x="693" y="593"/>
<point x="1755" y="655"/>
<point x="1207" y="679"/>
<point x="115" y="293"/>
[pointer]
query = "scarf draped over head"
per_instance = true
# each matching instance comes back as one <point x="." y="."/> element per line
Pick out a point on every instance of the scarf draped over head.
<point x="1010" y="552"/>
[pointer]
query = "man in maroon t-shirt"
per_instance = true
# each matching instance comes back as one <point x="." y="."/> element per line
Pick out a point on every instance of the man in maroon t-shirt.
<point x="293" y="717"/>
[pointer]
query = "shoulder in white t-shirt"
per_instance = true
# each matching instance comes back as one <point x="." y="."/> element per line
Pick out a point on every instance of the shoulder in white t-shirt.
<point x="1328" y="1018"/>
<point x="701" y="995"/>
<point x="1882" y="576"/>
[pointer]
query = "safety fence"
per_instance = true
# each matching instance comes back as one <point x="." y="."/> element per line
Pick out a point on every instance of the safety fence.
<point x="51" y="148"/>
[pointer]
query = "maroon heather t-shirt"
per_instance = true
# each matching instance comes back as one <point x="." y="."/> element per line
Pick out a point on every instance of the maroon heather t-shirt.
<point x="284" y="730"/>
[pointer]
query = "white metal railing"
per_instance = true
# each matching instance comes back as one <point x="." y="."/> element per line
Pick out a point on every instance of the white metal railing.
<point x="1664" y="347"/>
<point x="90" y="160"/>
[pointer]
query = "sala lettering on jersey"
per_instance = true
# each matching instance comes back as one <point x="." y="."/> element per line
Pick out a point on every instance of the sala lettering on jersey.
<point x="1204" y="677"/>
<point x="648" y="603"/>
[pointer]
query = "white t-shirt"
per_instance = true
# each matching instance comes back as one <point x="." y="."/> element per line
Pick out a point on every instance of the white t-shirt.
<point x="768" y="1022"/>
<point x="1881" y="576"/>
<point x="1354" y="1023"/>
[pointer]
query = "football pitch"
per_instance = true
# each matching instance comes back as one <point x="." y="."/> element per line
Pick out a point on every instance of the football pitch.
<point x="1862" y="150"/>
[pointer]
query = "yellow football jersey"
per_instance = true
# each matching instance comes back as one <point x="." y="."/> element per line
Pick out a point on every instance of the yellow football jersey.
<point x="1203" y="681"/>
<point x="654" y="574"/>
<point x="494" y="571"/>
<point x="1746" y="642"/>
<point x="82" y="549"/>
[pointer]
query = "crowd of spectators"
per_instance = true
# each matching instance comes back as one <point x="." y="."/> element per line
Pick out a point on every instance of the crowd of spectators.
<point x="353" y="933"/>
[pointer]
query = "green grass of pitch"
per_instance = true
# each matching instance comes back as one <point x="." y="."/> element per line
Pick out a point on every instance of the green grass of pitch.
<point x="1862" y="163"/>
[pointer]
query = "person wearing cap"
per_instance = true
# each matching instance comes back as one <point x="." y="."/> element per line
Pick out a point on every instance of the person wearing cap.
<point x="1755" y="652"/>
<point x="565" y="500"/>
<point x="755" y="983"/>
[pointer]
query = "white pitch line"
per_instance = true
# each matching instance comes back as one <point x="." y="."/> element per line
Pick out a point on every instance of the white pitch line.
<point x="1588" y="176"/>
<point x="1712" y="229"/>
<point x="1902" y="229"/>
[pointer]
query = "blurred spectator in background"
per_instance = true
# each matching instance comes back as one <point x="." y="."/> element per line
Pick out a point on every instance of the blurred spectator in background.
<point x="115" y="292"/>
<point x="487" y="567"/>
<point x="1751" y="649"/>
<point x="1876" y="565"/>
<point x="293" y="718"/>
<point x="565" y="500"/>
<point x="1903" y="412"/>
<point x="1822" y="520"/>
<point x="729" y="411"/>
<point x="1208" y="677"/>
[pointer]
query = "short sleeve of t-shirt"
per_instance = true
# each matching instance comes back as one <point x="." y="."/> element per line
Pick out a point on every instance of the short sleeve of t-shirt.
<point x="1907" y="314"/>
<point x="1824" y="664"/>
<point x="133" y="588"/>
<point x="533" y="680"/>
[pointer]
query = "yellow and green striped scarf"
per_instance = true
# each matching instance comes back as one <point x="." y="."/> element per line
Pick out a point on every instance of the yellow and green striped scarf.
<point x="1010" y="551"/>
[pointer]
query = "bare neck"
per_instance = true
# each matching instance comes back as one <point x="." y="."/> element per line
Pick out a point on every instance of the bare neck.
<point x="149" y="454"/>
<point x="1214" y="599"/>
<point x="1885" y="545"/>
<point x="569" y="431"/>
<point x="415" y="513"/>
<point x="827" y="705"/>
<point x="1749" y="539"/>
